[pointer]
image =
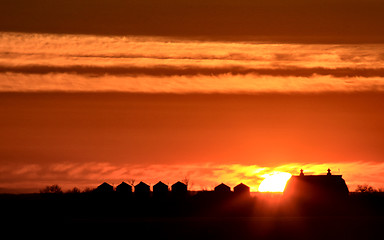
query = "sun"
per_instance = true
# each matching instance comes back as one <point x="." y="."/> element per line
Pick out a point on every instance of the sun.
<point x="274" y="182"/>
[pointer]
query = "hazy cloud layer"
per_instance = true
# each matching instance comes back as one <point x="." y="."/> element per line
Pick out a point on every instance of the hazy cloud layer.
<point x="167" y="71"/>
<point x="33" y="62"/>
<point x="224" y="83"/>
<point x="205" y="176"/>
<point x="83" y="139"/>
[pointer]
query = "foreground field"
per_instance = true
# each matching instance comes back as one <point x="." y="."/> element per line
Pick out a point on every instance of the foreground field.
<point x="89" y="216"/>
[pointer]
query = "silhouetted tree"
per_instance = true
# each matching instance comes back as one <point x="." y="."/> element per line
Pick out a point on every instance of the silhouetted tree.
<point x="52" y="189"/>
<point x="131" y="182"/>
<point x="88" y="190"/>
<point x="185" y="181"/>
<point x="75" y="190"/>
<point x="365" y="189"/>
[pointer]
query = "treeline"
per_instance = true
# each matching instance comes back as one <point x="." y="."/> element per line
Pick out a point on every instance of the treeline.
<point x="53" y="202"/>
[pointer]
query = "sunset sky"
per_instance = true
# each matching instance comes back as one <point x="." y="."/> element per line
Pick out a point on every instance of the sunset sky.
<point x="215" y="91"/>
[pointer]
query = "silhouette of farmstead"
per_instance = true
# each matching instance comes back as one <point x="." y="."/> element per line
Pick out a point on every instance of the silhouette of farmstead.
<point x="104" y="188"/>
<point x="222" y="188"/>
<point x="316" y="188"/>
<point x="160" y="189"/>
<point x="142" y="189"/>
<point x="179" y="188"/>
<point x="124" y="188"/>
<point x="242" y="189"/>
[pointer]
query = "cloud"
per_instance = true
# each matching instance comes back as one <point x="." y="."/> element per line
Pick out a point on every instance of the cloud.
<point x="52" y="62"/>
<point x="203" y="176"/>
<point x="42" y="49"/>
<point x="223" y="83"/>
<point x="167" y="71"/>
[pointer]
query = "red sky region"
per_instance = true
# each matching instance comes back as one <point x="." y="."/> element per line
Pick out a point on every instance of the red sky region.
<point x="41" y="130"/>
<point x="292" y="20"/>
<point x="81" y="139"/>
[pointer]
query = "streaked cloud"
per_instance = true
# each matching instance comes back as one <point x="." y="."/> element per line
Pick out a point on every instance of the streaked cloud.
<point x="167" y="71"/>
<point x="223" y="83"/>
<point x="49" y="62"/>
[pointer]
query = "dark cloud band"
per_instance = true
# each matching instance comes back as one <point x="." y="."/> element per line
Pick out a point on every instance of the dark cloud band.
<point x="166" y="71"/>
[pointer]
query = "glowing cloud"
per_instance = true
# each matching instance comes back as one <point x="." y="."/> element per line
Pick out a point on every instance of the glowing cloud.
<point x="49" y="62"/>
<point x="207" y="176"/>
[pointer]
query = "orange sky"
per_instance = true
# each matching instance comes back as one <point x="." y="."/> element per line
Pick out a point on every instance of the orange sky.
<point x="352" y="21"/>
<point x="53" y="62"/>
<point x="213" y="90"/>
<point x="82" y="139"/>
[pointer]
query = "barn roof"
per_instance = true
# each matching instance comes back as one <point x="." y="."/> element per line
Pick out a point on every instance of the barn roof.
<point x="124" y="184"/>
<point x="142" y="187"/>
<point x="104" y="187"/>
<point x="241" y="187"/>
<point x="222" y="187"/>
<point x="160" y="183"/>
<point x="179" y="187"/>
<point x="316" y="186"/>
<point x="160" y="186"/>
<point x="124" y="187"/>
<point x="179" y="184"/>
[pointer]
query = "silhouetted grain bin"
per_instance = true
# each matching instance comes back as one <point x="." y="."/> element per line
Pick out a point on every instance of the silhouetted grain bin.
<point x="142" y="189"/>
<point x="222" y="188"/>
<point x="316" y="188"/>
<point x="179" y="188"/>
<point x="124" y="188"/>
<point x="242" y="189"/>
<point x="160" y="188"/>
<point x="104" y="188"/>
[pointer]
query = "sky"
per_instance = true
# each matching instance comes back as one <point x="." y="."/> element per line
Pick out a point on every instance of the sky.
<point x="357" y="21"/>
<point x="213" y="91"/>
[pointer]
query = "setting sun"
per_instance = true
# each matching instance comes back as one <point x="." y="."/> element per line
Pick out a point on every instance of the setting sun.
<point x="274" y="182"/>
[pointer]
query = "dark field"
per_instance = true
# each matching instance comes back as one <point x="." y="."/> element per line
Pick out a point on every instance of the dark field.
<point x="197" y="217"/>
<point x="238" y="227"/>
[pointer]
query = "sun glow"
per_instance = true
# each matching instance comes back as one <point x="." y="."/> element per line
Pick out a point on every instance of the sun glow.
<point x="274" y="182"/>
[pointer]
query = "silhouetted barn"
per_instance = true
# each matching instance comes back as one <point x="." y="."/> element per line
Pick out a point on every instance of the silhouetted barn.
<point x="142" y="189"/>
<point x="222" y="188"/>
<point x="104" y="188"/>
<point x="241" y="189"/>
<point x="316" y="188"/>
<point x="179" y="188"/>
<point x="160" y="188"/>
<point x="124" y="188"/>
